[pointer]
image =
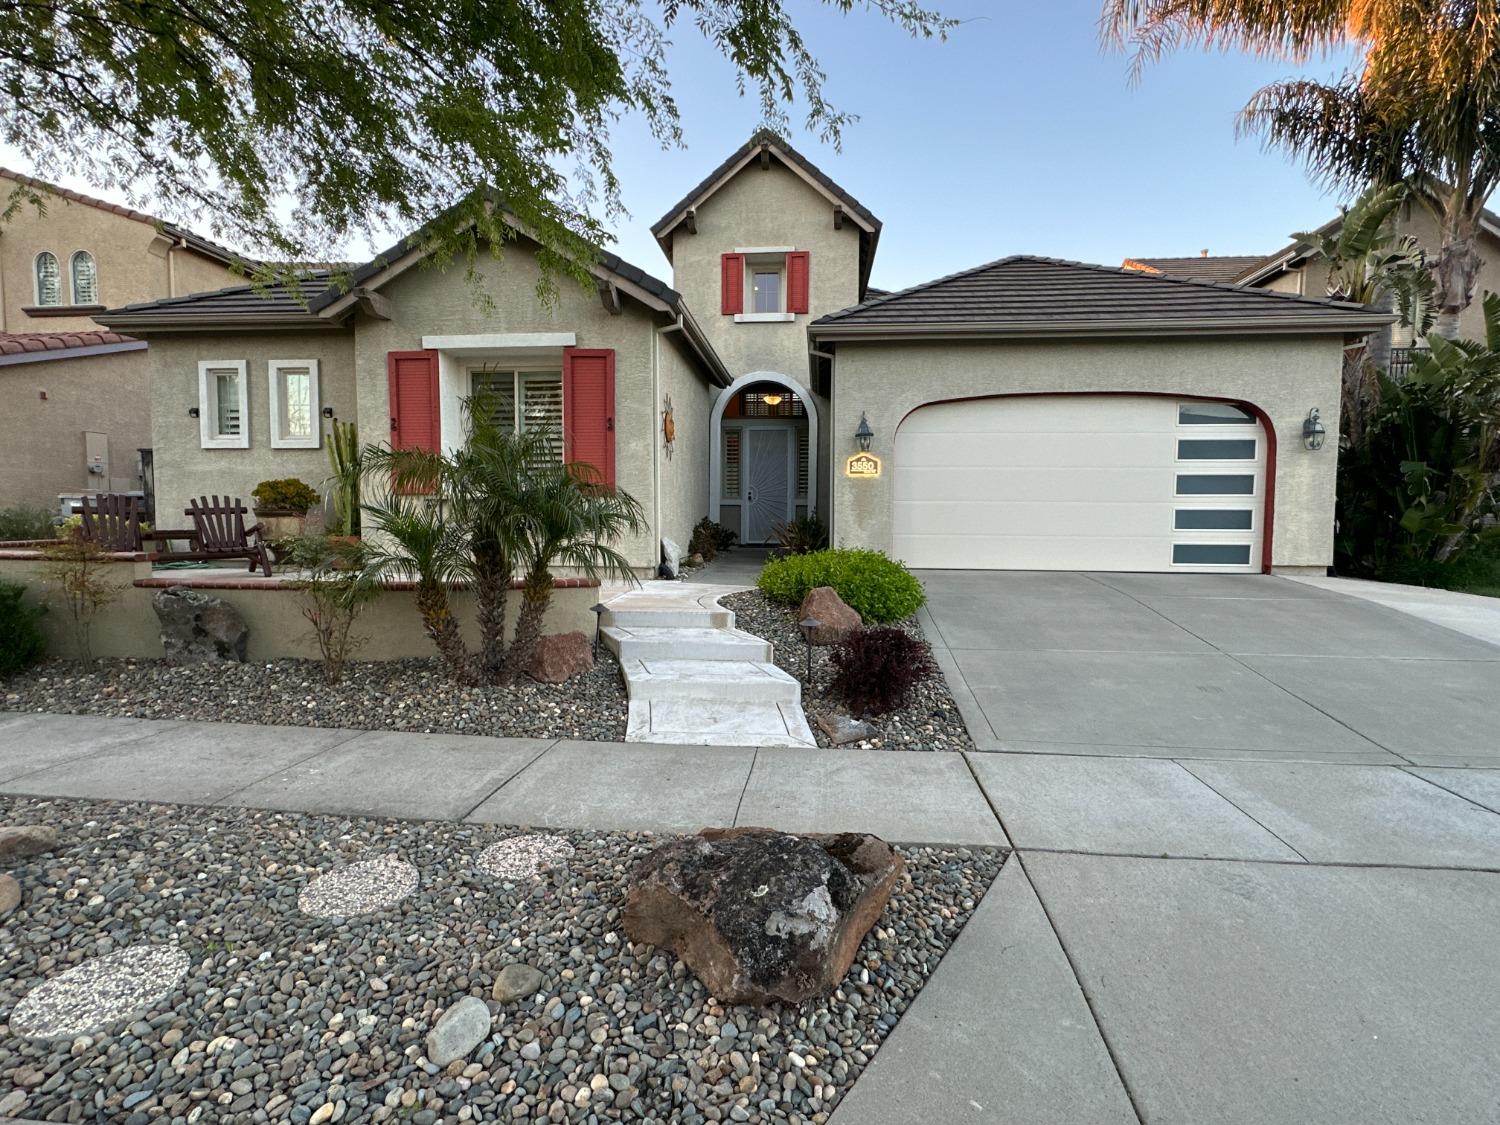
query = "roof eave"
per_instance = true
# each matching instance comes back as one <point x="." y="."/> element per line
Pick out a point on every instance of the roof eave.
<point x="1226" y="326"/>
<point x="205" y="322"/>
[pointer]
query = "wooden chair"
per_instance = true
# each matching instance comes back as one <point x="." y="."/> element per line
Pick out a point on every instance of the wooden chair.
<point x="112" y="520"/>
<point x="219" y="532"/>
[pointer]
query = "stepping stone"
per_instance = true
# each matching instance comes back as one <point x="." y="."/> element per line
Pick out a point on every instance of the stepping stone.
<point x="523" y="857"/>
<point x="97" y="994"/>
<point x="708" y="722"/>
<point x="752" y="681"/>
<point x="666" y="642"/>
<point x="360" y="888"/>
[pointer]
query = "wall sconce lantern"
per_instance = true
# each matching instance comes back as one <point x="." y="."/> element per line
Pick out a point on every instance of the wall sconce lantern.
<point x="864" y="435"/>
<point x="328" y="412"/>
<point x="192" y="412"/>
<point x="1313" y="432"/>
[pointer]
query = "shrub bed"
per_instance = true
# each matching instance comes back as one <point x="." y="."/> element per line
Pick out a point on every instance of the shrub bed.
<point x="879" y="589"/>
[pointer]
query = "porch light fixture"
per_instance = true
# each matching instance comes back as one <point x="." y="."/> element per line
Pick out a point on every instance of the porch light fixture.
<point x="328" y="412"/>
<point x="809" y="627"/>
<point x="1313" y="431"/>
<point x="597" y="609"/>
<point x="772" y="399"/>
<point x="192" y="412"/>
<point x="864" y="435"/>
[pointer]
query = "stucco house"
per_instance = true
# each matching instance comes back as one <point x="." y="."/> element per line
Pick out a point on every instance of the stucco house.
<point x="74" y="400"/>
<point x="1027" y="413"/>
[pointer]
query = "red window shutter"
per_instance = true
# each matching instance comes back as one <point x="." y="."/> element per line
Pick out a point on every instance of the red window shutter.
<point x="798" y="272"/>
<point x="589" y="409"/>
<point x="732" y="286"/>
<point x="413" y="378"/>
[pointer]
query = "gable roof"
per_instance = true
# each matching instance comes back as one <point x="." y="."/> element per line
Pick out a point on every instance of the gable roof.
<point x="1201" y="267"/>
<point x="195" y="242"/>
<point x="1025" y="295"/>
<point x="777" y="148"/>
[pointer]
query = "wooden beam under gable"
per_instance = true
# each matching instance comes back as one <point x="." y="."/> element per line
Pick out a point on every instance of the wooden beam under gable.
<point x="609" y="297"/>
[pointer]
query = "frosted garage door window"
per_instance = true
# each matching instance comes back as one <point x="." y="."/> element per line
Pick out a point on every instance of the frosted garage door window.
<point x="1211" y="554"/>
<point x="1215" y="484"/>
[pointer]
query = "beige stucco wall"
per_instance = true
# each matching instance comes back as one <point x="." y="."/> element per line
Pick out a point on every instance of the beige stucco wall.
<point x="184" y="469"/>
<point x="42" y="441"/>
<point x="131" y="257"/>
<point x="765" y="207"/>
<point x="1284" y="377"/>
<point x="683" y="475"/>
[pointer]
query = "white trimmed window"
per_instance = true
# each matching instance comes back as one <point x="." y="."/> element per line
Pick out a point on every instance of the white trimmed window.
<point x="223" y="404"/>
<point x="85" y="278"/>
<point x="294" y="404"/>
<point x="526" y="400"/>
<point x="48" y="279"/>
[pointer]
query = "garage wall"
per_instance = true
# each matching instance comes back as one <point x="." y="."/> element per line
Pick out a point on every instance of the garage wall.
<point x="1284" y="377"/>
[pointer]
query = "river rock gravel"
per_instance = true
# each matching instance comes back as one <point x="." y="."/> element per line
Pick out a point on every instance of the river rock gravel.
<point x="404" y="695"/>
<point x="283" y="1017"/>
<point x="929" y="721"/>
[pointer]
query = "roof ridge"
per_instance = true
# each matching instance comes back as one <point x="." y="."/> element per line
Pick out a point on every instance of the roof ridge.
<point x="892" y="295"/>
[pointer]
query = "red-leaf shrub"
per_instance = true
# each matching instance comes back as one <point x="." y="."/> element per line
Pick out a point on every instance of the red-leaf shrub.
<point x="875" y="669"/>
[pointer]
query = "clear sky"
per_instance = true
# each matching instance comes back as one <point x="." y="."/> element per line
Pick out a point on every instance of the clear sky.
<point x="1017" y="135"/>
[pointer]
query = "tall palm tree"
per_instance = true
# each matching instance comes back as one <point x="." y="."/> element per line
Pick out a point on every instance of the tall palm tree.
<point x="1423" y="108"/>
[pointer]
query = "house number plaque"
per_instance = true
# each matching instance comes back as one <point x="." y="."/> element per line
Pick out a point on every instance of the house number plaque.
<point x="865" y="465"/>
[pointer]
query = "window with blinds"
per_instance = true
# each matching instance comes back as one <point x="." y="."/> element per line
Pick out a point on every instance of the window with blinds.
<point x="523" y="400"/>
<point x="223" y="404"/>
<point x="48" y="279"/>
<point x="731" y="473"/>
<point x="85" y="278"/>
<point x="802" y="464"/>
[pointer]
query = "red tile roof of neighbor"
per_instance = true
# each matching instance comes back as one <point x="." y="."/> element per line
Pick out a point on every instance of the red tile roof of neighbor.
<point x="19" y="343"/>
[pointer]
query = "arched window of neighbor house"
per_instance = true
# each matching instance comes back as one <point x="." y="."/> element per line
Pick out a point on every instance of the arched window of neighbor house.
<point x="85" y="279"/>
<point x="48" y="279"/>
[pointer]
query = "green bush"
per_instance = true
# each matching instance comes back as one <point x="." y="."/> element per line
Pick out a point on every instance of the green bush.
<point x="25" y="522"/>
<point x="879" y="589"/>
<point x="21" y="643"/>
<point x="285" y="495"/>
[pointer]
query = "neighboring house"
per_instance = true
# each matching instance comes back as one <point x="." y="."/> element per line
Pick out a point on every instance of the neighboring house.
<point x="74" y="400"/>
<point x="1028" y="413"/>
<point x="1222" y="268"/>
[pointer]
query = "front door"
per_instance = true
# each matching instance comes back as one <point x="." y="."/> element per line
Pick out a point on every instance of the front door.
<point x="768" y="482"/>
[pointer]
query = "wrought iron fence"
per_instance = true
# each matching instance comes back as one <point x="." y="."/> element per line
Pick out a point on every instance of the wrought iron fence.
<point x="1401" y="359"/>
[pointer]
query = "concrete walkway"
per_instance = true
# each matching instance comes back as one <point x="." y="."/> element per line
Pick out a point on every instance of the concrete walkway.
<point x="1470" y="614"/>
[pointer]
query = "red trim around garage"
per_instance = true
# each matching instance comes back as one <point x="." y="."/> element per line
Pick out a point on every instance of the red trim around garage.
<point x="1268" y="516"/>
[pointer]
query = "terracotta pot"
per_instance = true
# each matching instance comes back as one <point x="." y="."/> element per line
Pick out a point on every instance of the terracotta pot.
<point x="342" y="540"/>
<point x="277" y="524"/>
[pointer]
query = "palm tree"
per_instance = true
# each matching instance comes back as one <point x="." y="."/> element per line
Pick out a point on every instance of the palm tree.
<point x="568" y="515"/>
<point x="1423" y="108"/>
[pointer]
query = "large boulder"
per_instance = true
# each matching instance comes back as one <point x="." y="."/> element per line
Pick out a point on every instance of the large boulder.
<point x="835" y="619"/>
<point x="671" y="559"/>
<point x="760" y="915"/>
<point x="198" y="628"/>
<point x="22" y="841"/>
<point x="559" y="657"/>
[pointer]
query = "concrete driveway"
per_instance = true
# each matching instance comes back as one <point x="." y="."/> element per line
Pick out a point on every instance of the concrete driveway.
<point x="1203" y="665"/>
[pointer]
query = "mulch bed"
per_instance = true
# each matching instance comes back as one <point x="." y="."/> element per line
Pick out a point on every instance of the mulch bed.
<point x="287" y="1017"/>
<point x="402" y="695"/>
<point x="929" y="720"/>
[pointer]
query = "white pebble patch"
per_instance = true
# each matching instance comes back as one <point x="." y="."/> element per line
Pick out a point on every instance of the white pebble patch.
<point x="360" y="888"/>
<point x="523" y="857"/>
<point x="91" y="996"/>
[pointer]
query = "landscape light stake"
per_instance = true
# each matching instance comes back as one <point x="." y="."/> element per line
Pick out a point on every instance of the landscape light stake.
<point x="809" y="625"/>
<point x="597" y="609"/>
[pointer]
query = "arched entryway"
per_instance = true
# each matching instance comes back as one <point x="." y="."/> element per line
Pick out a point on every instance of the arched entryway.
<point x="763" y="468"/>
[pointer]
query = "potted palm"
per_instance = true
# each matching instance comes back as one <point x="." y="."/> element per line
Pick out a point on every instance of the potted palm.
<point x="281" y="508"/>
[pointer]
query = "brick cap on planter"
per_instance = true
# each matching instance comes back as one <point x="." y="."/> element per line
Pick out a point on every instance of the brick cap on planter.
<point x="239" y="580"/>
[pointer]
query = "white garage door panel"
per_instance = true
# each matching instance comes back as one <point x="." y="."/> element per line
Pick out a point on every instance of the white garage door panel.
<point x="1066" y="482"/>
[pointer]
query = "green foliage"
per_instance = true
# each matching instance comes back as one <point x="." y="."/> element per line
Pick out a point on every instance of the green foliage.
<point x="709" y="539"/>
<point x="877" y="588"/>
<point x="343" y="460"/>
<point x="21" y="642"/>
<point x="79" y="570"/>
<point x="25" y="522"/>
<point x="302" y="127"/>
<point x="801" y="536"/>
<point x="874" y="670"/>
<point x="337" y="584"/>
<point x="287" y="494"/>
<point x="1420" y="485"/>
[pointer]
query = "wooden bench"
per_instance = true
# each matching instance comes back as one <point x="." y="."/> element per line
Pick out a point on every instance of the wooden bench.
<point x="218" y="533"/>
<point x="112" y="520"/>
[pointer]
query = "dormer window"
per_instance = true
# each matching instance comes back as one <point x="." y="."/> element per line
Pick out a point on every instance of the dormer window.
<point x="765" y="283"/>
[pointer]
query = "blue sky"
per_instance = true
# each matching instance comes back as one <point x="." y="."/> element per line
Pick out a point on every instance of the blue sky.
<point x="1017" y="135"/>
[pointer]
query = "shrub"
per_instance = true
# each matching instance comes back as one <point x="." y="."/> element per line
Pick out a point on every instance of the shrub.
<point x="79" y="569"/>
<point x="339" y="583"/>
<point x="874" y="670"/>
<point x="285" y="495"/>
<point x="879" y="589"/>
<point x="21" y="643"/>
<point x="709" y="538"/>
<point x="25" y="522"/>
<point x="802" y="536"/>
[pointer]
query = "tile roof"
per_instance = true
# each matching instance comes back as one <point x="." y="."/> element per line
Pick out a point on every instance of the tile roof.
<point x="1027" y="294"/>
<point x="197" y="242"/>
<point x="22" y="343"/>
<point x="1201" y="267"/>
<point x="282" y="302"/>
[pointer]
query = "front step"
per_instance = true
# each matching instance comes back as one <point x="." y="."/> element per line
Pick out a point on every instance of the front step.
<point x="629" y="616"/>
<point x="701" y="722"/>
<point x="746" y="681"/>
<point x="692" y="643"/>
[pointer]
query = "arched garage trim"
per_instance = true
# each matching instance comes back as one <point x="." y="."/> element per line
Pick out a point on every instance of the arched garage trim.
<point x="1268" y="515"/>
<point x="716" y="435"/>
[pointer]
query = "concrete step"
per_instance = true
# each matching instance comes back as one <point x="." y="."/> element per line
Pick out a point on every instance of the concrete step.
<point x="746" y="681"/>
<point x="690" y="643"/>
<point x="686" y="617"/>
<point x="698" y="722"/>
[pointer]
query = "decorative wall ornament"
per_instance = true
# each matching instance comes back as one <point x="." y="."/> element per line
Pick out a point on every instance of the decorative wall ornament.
<point x="668" y="425"/>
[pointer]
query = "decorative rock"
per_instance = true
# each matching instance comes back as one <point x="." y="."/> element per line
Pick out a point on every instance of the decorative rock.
<point x="671" y="558"/>
<point x="100" y="992"/>
<point x="461" y="1028"/>
<point x="843" y="729"/>
<point x="561" y="656"/>
<point x="516" y="982"/>
<point x="13" y="1103"/>
<point x="198" y="628"/>
<point x="10" y="895"/>
<point x="760" y="915"/>
<point x="20" y="841"/>
<point x="836" y="619"/>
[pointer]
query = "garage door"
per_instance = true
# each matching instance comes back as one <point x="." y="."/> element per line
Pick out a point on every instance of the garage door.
<point x="1080" y="482"/>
